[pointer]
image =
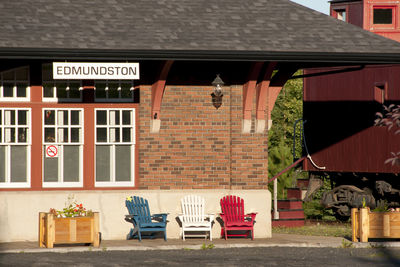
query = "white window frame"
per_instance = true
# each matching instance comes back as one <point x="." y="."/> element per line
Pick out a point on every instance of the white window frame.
<point x="132" y="144"/>
<point x="54" y="83"/>
<point x="15" y="98"/>
<point x="62" y="99"/>
<point x="28" y="144"/>
<point x="118" y="99"/>
<point x="60" y="145"/>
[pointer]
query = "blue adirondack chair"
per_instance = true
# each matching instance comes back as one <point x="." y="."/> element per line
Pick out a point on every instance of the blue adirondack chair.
<point x="142" y="220"/>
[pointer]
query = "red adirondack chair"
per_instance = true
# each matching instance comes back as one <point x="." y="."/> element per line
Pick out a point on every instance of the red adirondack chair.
<point x="234" y="218"/>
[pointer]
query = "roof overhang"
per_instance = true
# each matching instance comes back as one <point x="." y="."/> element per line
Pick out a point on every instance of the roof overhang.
<point x="193" y="55"/>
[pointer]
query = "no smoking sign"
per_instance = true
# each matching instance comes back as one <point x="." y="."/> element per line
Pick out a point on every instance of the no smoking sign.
<point x="51" y="151"/>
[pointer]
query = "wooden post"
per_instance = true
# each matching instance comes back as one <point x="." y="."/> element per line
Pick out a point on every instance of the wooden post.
<point x="96" y="233"/>
<point x="354" y="225"/>
<point x="364" y="225"/>
<point x="386" y="225"/>
<point x="41" y="229"/>
<point x="50" y="230"/>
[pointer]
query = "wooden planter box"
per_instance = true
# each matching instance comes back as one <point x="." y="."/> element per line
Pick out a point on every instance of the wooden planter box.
<point x="74" y="230"/>
<point x="367" y="224"/>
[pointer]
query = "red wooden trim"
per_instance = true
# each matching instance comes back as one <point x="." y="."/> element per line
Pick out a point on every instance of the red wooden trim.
<point x="262" y="91"/>
<point x="89" y="149"/>
<point x="287" y="168"/>
<point x="157" y="90"/>
<point x="380" y="92"/>
<point x="36" y="134"/>
<point x="335" y="8"/>
<point x="249" y="89"/>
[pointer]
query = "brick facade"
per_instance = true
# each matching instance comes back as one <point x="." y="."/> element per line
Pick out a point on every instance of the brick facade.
<point x="198" y="146"/>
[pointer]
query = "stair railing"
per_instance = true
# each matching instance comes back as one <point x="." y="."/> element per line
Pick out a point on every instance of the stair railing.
<point x="274" y="179"/>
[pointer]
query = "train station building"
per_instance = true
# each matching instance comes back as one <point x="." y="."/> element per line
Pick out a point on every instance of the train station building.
<point x="107" y="99"/>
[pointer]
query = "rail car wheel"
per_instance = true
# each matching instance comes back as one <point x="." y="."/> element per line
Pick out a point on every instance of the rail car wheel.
<point x="342" y="213"/>
<point x="342" y="198"/>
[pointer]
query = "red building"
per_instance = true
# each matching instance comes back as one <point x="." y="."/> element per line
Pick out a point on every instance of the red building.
<point x="340" y="109"/>
<point x="377" y="16"/>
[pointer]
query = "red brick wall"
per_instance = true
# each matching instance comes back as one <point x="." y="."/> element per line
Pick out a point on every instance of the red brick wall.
<point x="198" y="146"/>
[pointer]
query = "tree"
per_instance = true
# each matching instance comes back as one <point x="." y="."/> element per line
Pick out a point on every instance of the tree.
<point x="288" y="108"/>
<point x="390" y="118"/>
<point x="279" y="157"/>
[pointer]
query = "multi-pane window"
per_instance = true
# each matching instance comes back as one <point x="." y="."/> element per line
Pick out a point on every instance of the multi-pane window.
<point x="62" y="150"/>
<point x="383" y="15"/>
<point x="115" y="147"/>
<point x="15" y="84"/>
<point x="107" y="91"/>
<point x="64" y="90"/>
<point x="15" y="144"/>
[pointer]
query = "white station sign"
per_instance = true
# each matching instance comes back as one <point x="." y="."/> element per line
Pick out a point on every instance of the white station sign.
<point x="95" y="71"/>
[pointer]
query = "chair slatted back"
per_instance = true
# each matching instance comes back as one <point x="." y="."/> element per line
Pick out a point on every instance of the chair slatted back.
<point x="193" y="209"/>
<point x="233" y="208"/>
<point x="139" y="207"/>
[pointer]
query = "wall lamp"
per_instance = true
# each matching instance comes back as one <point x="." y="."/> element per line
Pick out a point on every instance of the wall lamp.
<point x="217" y="94"/>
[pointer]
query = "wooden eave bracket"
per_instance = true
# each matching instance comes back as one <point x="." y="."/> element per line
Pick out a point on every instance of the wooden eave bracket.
<point x="157" y="93"/>
<point x="249" y="89"/>
<point x="267" y="93"/>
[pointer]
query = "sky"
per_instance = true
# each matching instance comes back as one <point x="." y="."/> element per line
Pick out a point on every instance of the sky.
<point x="319" y="5"/>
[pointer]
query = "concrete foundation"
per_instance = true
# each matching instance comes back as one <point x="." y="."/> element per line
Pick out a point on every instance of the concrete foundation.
<point x="20" y="210"/>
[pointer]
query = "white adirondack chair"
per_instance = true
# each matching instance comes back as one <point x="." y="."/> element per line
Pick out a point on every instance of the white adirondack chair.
<point x="193" y="218"/>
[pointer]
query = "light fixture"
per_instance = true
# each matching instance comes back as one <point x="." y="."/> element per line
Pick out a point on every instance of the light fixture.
<point x="217" y="94"/>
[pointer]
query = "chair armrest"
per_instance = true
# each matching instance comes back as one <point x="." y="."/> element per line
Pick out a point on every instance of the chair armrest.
<point x="163" y="216"/>
<point x="131" y="218"/>
<point x="251" y="215"/>
<point x="210" y="217"/>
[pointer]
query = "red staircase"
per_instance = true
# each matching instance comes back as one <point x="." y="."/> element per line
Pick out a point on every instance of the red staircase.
<point x="291" y="213"/>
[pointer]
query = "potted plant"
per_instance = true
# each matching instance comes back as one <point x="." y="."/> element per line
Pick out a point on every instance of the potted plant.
<point x="382" y="222"/>
<point x="72" y="225"/>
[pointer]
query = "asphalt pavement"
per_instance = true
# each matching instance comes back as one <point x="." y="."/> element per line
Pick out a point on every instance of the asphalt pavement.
<point x="277" y="240"/>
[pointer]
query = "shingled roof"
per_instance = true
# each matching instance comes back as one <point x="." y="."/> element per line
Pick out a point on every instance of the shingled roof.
<point x="186" y="29"/>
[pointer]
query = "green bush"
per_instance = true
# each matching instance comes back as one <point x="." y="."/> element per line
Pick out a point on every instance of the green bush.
<point x="314" y="209"/>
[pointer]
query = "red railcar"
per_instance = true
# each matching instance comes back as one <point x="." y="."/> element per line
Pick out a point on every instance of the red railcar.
<point x="340" y="109"/>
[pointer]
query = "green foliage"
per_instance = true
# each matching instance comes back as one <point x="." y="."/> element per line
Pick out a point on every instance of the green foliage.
<point x="347" y="244"/>
<point x="209" y="246"/>
<point x="317" y="229"/>
<point x="279" y="158"/>
<point x="314" y="209"/>
<point x="382" y="206"/>
<point x="288" y="108"/>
